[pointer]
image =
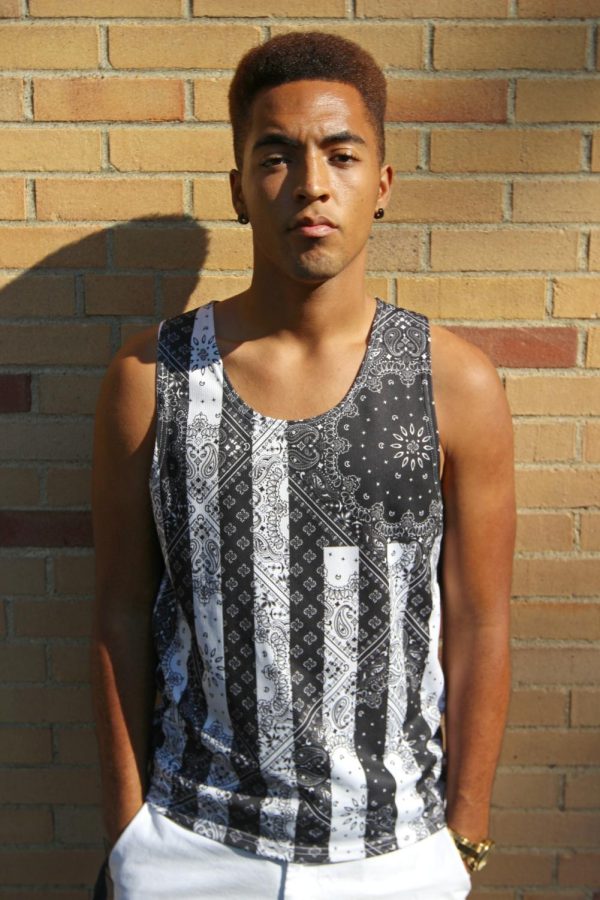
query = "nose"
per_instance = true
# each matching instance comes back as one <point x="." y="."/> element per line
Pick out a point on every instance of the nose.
<point x="313" y="182"/>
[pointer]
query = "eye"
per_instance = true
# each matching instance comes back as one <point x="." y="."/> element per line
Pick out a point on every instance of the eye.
<point x="344" y="157"/>
<point x="272" y="162"/>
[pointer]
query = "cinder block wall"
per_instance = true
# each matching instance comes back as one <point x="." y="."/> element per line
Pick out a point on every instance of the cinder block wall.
<point x="114" y="149"/>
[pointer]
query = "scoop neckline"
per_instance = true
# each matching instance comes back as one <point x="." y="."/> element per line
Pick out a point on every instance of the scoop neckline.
<point x="250" y="412"/>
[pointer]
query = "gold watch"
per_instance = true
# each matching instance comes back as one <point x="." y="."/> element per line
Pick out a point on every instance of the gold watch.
<point x="474" y="853"/>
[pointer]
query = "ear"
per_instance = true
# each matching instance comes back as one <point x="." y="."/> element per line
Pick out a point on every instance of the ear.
<point x="237" y="198"/>
<point x="384" y="191"/>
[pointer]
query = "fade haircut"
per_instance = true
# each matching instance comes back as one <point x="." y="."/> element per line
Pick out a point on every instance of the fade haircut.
<point x="305" y="56"/>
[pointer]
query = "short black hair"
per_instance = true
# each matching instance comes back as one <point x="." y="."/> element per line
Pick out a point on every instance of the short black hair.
<point x="305" y="56"/>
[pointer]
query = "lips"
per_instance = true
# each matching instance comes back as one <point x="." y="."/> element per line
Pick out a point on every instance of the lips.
<point x="315" y="227"/>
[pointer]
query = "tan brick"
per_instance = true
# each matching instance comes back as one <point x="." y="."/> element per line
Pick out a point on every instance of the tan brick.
<point x="590" y="531"/>
<point x="547" y="9"/>
<point x="22" y="662"/>
<point x="35" y="46"/>
<point x="577" y="297"/>
<point x="446" y="100"/>
<point x="46" y="440"/>
<point x="171" y="150"/>
<point x="210" y="99"/>
<point x="558" y="100"/>
<point x="68" y="487"/>
<point x="544" y="441"/>
<point x="547" y="829"/>
<point x="106" y="8"/>
<point x="26" y="746"/>
<point x="41" y="705"/>
<point x="229" y="249"/>
<point x="513" y="869"/>
<point x="120" y="295"/>
<point x="555" y="621"/>
<point x="544" y="531"/>
<point x="596" y="153"/>
<point x="10" y="8"/>
<point x="77" y="825"/>
<point x="393" y="248"/>
<point x="591" y="442"/>
<point x="505" y="151"/>
<point x="70" y="663"/>
<point x="509" y="46"/>
<point x="19" y="487"/>
<point x="56" y="867"/>
<point x="565" y="201"/>
<point x="169" y="247"/>
<point x="42" y="149"/>
<point x="436" y="200"/>
<point x="550" y="747"/>
<point x="24" y="826"/>
<point x="12" y="198"/>
<point x="445" y="9"/>
<point x="22" y="575"/>
<point x="183" y="292"/>
<point x="107" y="198"/>
<point x="556" y="577"/>
<point x="74" y="575"/>
<point x="538" y="707"/>
<point x="52" y="618"/>
<point x="595" y="249"/>
<point x="76" y="746"/>
<point x="503" y="249"/>
<point x="402" y="149"/>
<point x="473" y="297"/>
<point x="11" y="102"/>
<point x="585" y="707"/>
<point x="592" y="357"/>
<point x="392" y="45"/>
<point x="111" y="99"/>
<point x="553" y="395"/>
<point x="250" y="8"/>
<point x="530" y="790"/>
<point x="578" y="868"/>
<point x="582" y="788"/>
<point x="212" y="199"/>
<point x="52" y="245"/>
<point x="63" y="344"/>
<point x="37" y="295"/>
<point x="50" y="785"/>
<point x="564" y="665"/>
<point x="66" y="394"/>
<point x="181" y="46"/>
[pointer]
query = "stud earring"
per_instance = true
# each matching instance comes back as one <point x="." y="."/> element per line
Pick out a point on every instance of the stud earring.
<point x="379" y="213"/>
<point x="243" y="218"/>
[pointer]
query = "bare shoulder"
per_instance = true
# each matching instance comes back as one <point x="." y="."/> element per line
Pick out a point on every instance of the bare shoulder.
<point x="469" y="395"/>
<point x="127" y="399"/>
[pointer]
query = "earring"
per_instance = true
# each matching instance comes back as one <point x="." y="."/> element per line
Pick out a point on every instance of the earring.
<point x="243" y="218"/>
<point x="379" y="213"/>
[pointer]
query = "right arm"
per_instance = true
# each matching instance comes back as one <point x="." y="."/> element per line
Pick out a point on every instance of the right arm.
<point x="129" y="566"/>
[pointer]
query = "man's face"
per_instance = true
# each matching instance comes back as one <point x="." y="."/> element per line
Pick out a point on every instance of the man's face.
<point x="311" y="179"/>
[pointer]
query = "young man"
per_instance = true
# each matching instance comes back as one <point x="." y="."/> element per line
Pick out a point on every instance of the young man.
<point x="316" y="460"/>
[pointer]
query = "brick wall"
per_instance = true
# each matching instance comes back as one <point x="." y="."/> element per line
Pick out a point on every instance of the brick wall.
<point x="113" y="149"/>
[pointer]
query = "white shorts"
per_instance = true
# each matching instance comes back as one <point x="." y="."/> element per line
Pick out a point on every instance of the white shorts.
<point x="155" y="859"/>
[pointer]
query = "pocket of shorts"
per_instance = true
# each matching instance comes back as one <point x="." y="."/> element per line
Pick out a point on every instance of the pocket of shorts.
<point x="127" y="832"/>
<point x="459" y="866"/>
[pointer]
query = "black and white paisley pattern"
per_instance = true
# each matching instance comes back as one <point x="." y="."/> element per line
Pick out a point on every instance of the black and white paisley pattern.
<point x="297" y="623"/>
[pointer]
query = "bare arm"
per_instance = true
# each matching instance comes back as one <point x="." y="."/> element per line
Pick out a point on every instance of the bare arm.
<point x="128" y="569"/>
<point x="478" y="488"/>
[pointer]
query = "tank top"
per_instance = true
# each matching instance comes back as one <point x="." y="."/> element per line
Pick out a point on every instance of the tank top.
<point x="297" y="622"/>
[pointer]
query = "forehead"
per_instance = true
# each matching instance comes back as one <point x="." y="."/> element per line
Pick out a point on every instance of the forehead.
<point x="311" y="108"/>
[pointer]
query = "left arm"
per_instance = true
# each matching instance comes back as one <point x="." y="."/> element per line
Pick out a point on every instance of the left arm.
<point x="478" y="489"/>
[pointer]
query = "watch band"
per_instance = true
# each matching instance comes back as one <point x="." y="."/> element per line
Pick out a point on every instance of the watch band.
<point x="474" y="853"/>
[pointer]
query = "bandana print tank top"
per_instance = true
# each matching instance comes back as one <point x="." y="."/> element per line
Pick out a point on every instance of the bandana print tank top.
<point x="297" y="621"/>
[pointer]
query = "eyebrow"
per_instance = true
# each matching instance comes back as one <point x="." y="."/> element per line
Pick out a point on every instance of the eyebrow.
<point x="278" y="138"/>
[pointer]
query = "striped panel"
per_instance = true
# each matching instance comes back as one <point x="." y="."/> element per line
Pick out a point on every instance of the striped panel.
<point x="348" y="781"/>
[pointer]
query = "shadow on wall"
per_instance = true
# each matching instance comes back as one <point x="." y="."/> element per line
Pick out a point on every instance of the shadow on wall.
<point x="61" y="322"/>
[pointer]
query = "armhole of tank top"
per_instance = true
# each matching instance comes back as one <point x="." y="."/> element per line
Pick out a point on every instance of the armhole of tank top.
<point x="157" y="401"/>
